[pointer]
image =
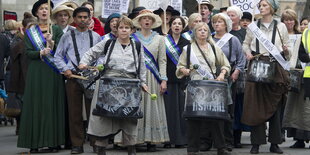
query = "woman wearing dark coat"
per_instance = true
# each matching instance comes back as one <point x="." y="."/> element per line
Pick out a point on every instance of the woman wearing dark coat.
<point x="175" y="98"/>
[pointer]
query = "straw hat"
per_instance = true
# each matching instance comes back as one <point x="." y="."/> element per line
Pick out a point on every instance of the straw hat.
<point x="169" y="9"/>
<point x="71" y="4"/>
<point x="207" y="2"/>
<point x="157" y="21"/>
<point x="62" y="8"/>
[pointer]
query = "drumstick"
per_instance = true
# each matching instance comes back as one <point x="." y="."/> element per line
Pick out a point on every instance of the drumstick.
<point x="153" y="96"/>
<point x="258" y="55"/>
<point x="78" y="77"/>
<point x="297" y="69"/>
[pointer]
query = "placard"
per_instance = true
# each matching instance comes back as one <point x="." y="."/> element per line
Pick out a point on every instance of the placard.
<point x="114" y="6"/>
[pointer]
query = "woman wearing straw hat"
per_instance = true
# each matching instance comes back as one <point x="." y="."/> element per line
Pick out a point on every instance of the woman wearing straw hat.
<point x="152" y="128"/>
<point x="42" y="118"/>
<point x="263" y="101"/>
<point x="62" y="16"/>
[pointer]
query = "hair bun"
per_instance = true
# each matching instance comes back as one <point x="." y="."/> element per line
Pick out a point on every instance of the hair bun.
<point x="27" y="15"/>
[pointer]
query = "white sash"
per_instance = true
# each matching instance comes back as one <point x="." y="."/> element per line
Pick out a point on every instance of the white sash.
<point x="294" y="42"/>
<point x="223" y="40"/>
<point x="273" y="50"/>
<point x="201" y="70"/>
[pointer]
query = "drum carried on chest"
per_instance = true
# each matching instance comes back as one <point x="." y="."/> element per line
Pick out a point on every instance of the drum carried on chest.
<point x="296" y="79"/>
<point x="261" y="70"/>
<point x="119" y="98"/>
<point x="206" y="99"/>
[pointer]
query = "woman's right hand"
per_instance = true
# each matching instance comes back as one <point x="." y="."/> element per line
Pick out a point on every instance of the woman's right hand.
<point x="82" y="66"/>
<point x="45" y="51"/>
<point x="185" y="71"/>
<point x="249" y="56"/>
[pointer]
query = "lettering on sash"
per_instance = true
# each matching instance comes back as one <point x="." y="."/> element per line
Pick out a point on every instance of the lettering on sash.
<point x="172" y="50"/>
<point x="224" y="40"/>
<point x="202" y="71"/>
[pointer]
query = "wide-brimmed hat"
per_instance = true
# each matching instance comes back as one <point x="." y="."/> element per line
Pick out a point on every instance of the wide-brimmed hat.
<point x="71" y="4"/>
<point x="169" y="9"/>
<point x="62" y="8"/>
<point x="37" y="4"/>
<point x="135" y="12"/>
<point x="207" y="2"/>
<point x="157" y="21"/>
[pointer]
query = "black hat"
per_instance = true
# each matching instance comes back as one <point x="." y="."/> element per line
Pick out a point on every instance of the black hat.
<point x="247" y="15"/>
<point x="135" y="12"/>
<point x="169" y="9"/>
<point x="36" y="6"/>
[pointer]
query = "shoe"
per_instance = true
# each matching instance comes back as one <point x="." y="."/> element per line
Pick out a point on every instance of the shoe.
<point x="151" y="147"/>
<point x="254" y="149"/>
<point x="274" y="148"/>
<point x="180" y="146"/>
<point x="131" y="150"/>
<point x="237" y="145"/>
<point x="167" y="146"/>
<point x="223" y="151"/>
<point x="205" y="147"/>
<point x="77" y="150"/>
<point x="192" y="153"/>
<point x="229" y="147"/>
<point x="50" y="150"/>
<point x="298" y="144"/>
<point x="100" y="150"/>
<point x="34" y="151"/>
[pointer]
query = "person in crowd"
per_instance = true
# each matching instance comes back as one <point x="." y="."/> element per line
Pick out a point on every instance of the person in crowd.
<point x="263" y="101"/>
<point x="110" y="27"/>
<point x="73" y="45"/>
<point x="293" y="121"/>
<point x="124" y="60"/>
<point x="62" y="16"/>
<point x="18" y="65"/>
<point x="245" y="20"/>
<point x="201" y="45"/>
<point x="193" y="20"/>
<point x="94" y="22"/>
<point x="232" y="49"/>
<point x="135" y="12"/>
<point x="42" y="119"/>
<point x="205" y="10"/>
<point x="304" y="23"/>
<point x="152" y="128"/>
<point x="175" y="99"/>
<point x="170" y="12"/>
<point x="236" y="15"/>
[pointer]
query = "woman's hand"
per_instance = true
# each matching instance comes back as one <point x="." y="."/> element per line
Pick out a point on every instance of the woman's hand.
<point x="49" y="42"/>
<point x="221" y="77"/>
<point x="163" y="87"/>
<point x="285" y="50"/>
<point x="82" y="66"/>
<point x="235" y="75"/>
<point x="45" y="51"/>
<point x="185" y="71"/>
<point x="68" y="74"/>
<point x="249" y="56"/>
<point x="145" y="88"/>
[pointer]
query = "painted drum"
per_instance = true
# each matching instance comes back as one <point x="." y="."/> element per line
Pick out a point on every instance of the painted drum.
<point x="261" y="71"/>
<point x="296" y="77"/>
<point x="119" y="98"/>
<point x="206" y="99"/>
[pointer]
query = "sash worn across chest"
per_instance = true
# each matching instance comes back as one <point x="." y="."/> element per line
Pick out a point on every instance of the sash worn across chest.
<point x="187" y="35"/>
<point x="224" y="40"/>
<point x="172" y="49"/>
<point x="38" y="41"/>
<point x="270" y="47"/>
<point x="150" y="61"/>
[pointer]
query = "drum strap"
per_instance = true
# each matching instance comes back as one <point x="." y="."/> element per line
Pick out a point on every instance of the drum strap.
<point x="273" y="34"/>
<point x="204" y="56"/>
<point x="77" y="54"/>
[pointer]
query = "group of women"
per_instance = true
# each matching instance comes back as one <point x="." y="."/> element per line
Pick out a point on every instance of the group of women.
<point x="224" y="55"/>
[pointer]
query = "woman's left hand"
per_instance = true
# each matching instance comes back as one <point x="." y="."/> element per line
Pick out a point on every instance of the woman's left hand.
<point x="235" y="75"/>
<point x="285" y="50"/>
<point x="221" y="77"/>
<point x="163" y="87"/>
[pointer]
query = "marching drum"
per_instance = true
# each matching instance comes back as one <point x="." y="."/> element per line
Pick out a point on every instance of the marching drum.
<point x="261" y="71"/>
<point x="90" y="75"/>
<point x="240" y="84"/>
<point x="119" y="98"/>
<point x="296" y="77"/>
<point x="206" y="99"/>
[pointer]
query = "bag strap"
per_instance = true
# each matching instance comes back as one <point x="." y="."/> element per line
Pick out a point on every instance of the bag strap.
<point x="135" y="59"/>
<point x="110" y="51"/>
<point x="230" y="49"/>
<point x="188" y="55"/>
<point x="204" y="56"/>
<point x="91" y="38"/>
<point x="273" y="34"/>
<point x="77" y="55"/>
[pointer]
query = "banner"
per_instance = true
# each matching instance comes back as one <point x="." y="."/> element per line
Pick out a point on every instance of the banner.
<point x="7" y="15"/>
<point x="114" y="6"/>
<point x="245" y="5"/>
<point x="154" y="5"/>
